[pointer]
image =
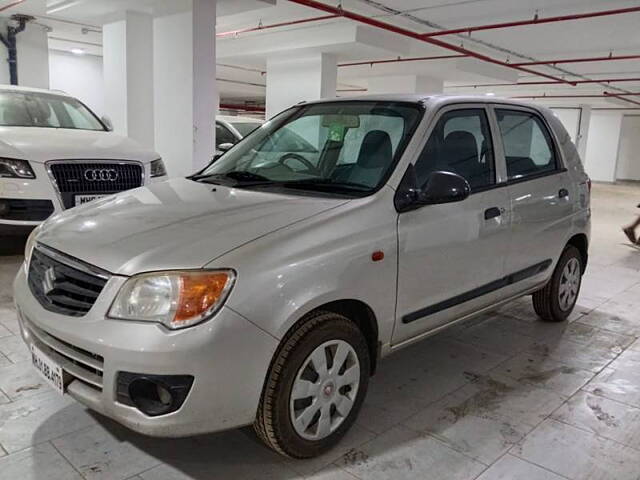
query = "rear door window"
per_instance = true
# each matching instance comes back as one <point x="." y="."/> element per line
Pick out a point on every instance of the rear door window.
<point x="527" y="143"/>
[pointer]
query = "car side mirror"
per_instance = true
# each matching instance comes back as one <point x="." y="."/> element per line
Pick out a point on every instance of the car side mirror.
<point x="440" y="187"/>
<point x="223" y="147"/>
<point x="443" y="187"/>
<point x="107" y="123"/>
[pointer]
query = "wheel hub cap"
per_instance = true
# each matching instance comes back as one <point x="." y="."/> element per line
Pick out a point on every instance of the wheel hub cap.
<point x="569" y="284"/>
<point x="324" y="390"/>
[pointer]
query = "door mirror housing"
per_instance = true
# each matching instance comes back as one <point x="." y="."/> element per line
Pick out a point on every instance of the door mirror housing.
<point x="440" y="187"/>
<point x="443" y="187"/>
<point x="107" y="123"/>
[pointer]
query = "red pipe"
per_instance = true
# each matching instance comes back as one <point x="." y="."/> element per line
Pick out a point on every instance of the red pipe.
<point x="536" y="20"/>
<point x="579" y="82"/>
<point x="578" y="60"/>
<point x="626" y="99"/>
<point x="396" y="60"/>
<point x="276" y="25"/>
<point x="417" y="36"/>
<point x="600" y="95"/>
<point x="7" y="7"/>
<point x="246" y="108"/>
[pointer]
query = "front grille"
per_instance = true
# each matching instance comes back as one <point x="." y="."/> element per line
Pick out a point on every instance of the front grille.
<point x="79" y="363"/>
<point x="26" y="210"/>
<point x="94" y="178"/>
<point x="67" y="287"/>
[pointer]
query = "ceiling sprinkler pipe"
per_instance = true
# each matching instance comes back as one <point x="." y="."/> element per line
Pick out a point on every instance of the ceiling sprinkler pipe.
<point x="418" y="36"/>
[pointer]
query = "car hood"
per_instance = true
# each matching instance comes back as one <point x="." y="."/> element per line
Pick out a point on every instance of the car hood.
<point x="41" y="144"/>
<point x="176" y="224"/>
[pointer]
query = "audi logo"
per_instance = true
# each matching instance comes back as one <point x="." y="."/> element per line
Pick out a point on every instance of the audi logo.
<point x="100" y="175"/>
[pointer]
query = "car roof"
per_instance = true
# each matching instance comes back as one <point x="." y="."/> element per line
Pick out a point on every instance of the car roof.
<point x="431" y="100"/>
<point x="18" y="88"/>
<point x="238" y="119"/>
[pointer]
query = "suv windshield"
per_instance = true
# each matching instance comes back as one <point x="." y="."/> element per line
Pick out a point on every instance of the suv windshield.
<point x="337" y="147"/>
<point x="30" y="109"/>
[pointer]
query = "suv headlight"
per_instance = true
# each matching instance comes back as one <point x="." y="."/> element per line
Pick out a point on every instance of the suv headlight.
<point x="157" y="168"/>
<point x="10" y="168"/>
<point x="176" y="299"/>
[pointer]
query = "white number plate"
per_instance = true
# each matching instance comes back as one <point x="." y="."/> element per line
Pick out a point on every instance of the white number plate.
<point x="82" y="199"/>
<point x="48" y="369"/>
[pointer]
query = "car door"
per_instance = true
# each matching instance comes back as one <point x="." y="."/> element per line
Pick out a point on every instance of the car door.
<point x="451" y="255"/>
<point x="540" y="188"/>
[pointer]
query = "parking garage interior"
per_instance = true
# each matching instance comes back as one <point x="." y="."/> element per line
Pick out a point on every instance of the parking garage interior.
<point x="498" y="396"/>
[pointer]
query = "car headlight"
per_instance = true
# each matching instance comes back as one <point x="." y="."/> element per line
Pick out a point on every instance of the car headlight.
<point x="176" y="299"/>
<point x="10" y="168"/>
<point x="157" y="168"/>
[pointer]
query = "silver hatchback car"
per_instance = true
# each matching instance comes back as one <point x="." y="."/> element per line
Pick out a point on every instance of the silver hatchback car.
<point x="264" y="289"/>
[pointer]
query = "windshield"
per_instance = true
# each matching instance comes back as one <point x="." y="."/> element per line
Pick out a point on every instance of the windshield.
<point x="30" y="109"/>
<point x="245" y="128"/>
<point x="338" y="147"/>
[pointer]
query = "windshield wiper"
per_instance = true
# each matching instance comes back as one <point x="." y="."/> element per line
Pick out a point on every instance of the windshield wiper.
<point x="326" y="184"/>
<point x="241" y="177"/>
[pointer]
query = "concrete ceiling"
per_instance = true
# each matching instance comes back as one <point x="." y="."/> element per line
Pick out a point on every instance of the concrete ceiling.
<point x="242" y="57"/>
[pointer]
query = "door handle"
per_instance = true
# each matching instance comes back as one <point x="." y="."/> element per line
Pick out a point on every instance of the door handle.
<point x="563" y="193"/>
<point x="492" y="212"/>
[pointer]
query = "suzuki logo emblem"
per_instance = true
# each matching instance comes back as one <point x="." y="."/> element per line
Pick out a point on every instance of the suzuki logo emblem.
<point x="49" y="281"/>
<point x="100" y="175"/>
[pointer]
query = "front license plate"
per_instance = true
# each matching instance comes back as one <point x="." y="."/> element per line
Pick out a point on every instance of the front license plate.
<point x="48" y="369"/>
<point x="82" y="199"/>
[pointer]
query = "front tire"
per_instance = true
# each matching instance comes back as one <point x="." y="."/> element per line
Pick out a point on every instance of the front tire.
<point x="315" y="386"/>
<point x="556" y="300"/>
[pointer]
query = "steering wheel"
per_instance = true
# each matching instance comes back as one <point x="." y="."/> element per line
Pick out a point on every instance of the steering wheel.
<point x="294" y="156"/>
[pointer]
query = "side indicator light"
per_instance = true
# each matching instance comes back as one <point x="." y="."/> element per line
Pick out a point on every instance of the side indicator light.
<point x="377" y="256"/>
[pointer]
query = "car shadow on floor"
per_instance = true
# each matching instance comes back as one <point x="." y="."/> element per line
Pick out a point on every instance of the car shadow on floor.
<point x="439" y="388"/>
<point x="12" y="244"/>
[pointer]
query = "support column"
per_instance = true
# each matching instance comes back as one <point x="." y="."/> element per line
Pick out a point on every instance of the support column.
<point x="32" y="46"/>
<point x="583" y="131"/>
<point x="290" y="81"/>
<point x="186" y="93"/>
<point x="128" y="75"/>
<point x="405" y="84"/>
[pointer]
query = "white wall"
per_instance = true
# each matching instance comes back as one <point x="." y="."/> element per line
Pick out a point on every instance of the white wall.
<point x="570" y="118"/>
<point x="291" y="80"/>
<point x="174" y="140"/>
<point x="628" y="167"/>
<point x="602" y="145"/>
<point x="115" y="68"/>
<point x="80" y="76"/>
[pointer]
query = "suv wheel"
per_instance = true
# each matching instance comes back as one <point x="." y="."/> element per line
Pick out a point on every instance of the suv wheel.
<point x="555" y="302"/>
<point x="315" y="386"/>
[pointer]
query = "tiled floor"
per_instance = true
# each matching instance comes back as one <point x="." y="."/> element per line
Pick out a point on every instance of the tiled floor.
<point x="502" y="397"/>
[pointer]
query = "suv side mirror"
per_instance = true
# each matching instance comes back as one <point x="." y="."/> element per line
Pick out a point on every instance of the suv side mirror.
<point x="443" y="187"/>
<point x="107" y="123"/>
<point x="440" y="187"/>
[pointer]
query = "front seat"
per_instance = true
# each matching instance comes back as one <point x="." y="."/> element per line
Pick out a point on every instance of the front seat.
<point x="460" y="153"/>
<point x="376" y="154"/>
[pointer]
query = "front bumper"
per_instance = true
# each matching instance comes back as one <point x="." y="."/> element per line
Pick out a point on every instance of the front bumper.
<point x="227" y="355"/>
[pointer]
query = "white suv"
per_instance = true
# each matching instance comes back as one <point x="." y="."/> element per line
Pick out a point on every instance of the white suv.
<point x="55" y="154"/>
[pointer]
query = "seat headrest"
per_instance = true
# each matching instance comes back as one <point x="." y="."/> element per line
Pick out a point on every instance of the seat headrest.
<point x="376" y="150"/>
<point x="459" y="147"/>
<point x="15" y="113"/>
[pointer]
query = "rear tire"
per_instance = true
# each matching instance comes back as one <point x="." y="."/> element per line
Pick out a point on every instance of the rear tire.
<point x="556" y="300"/>
<point x="315" y="386"/>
